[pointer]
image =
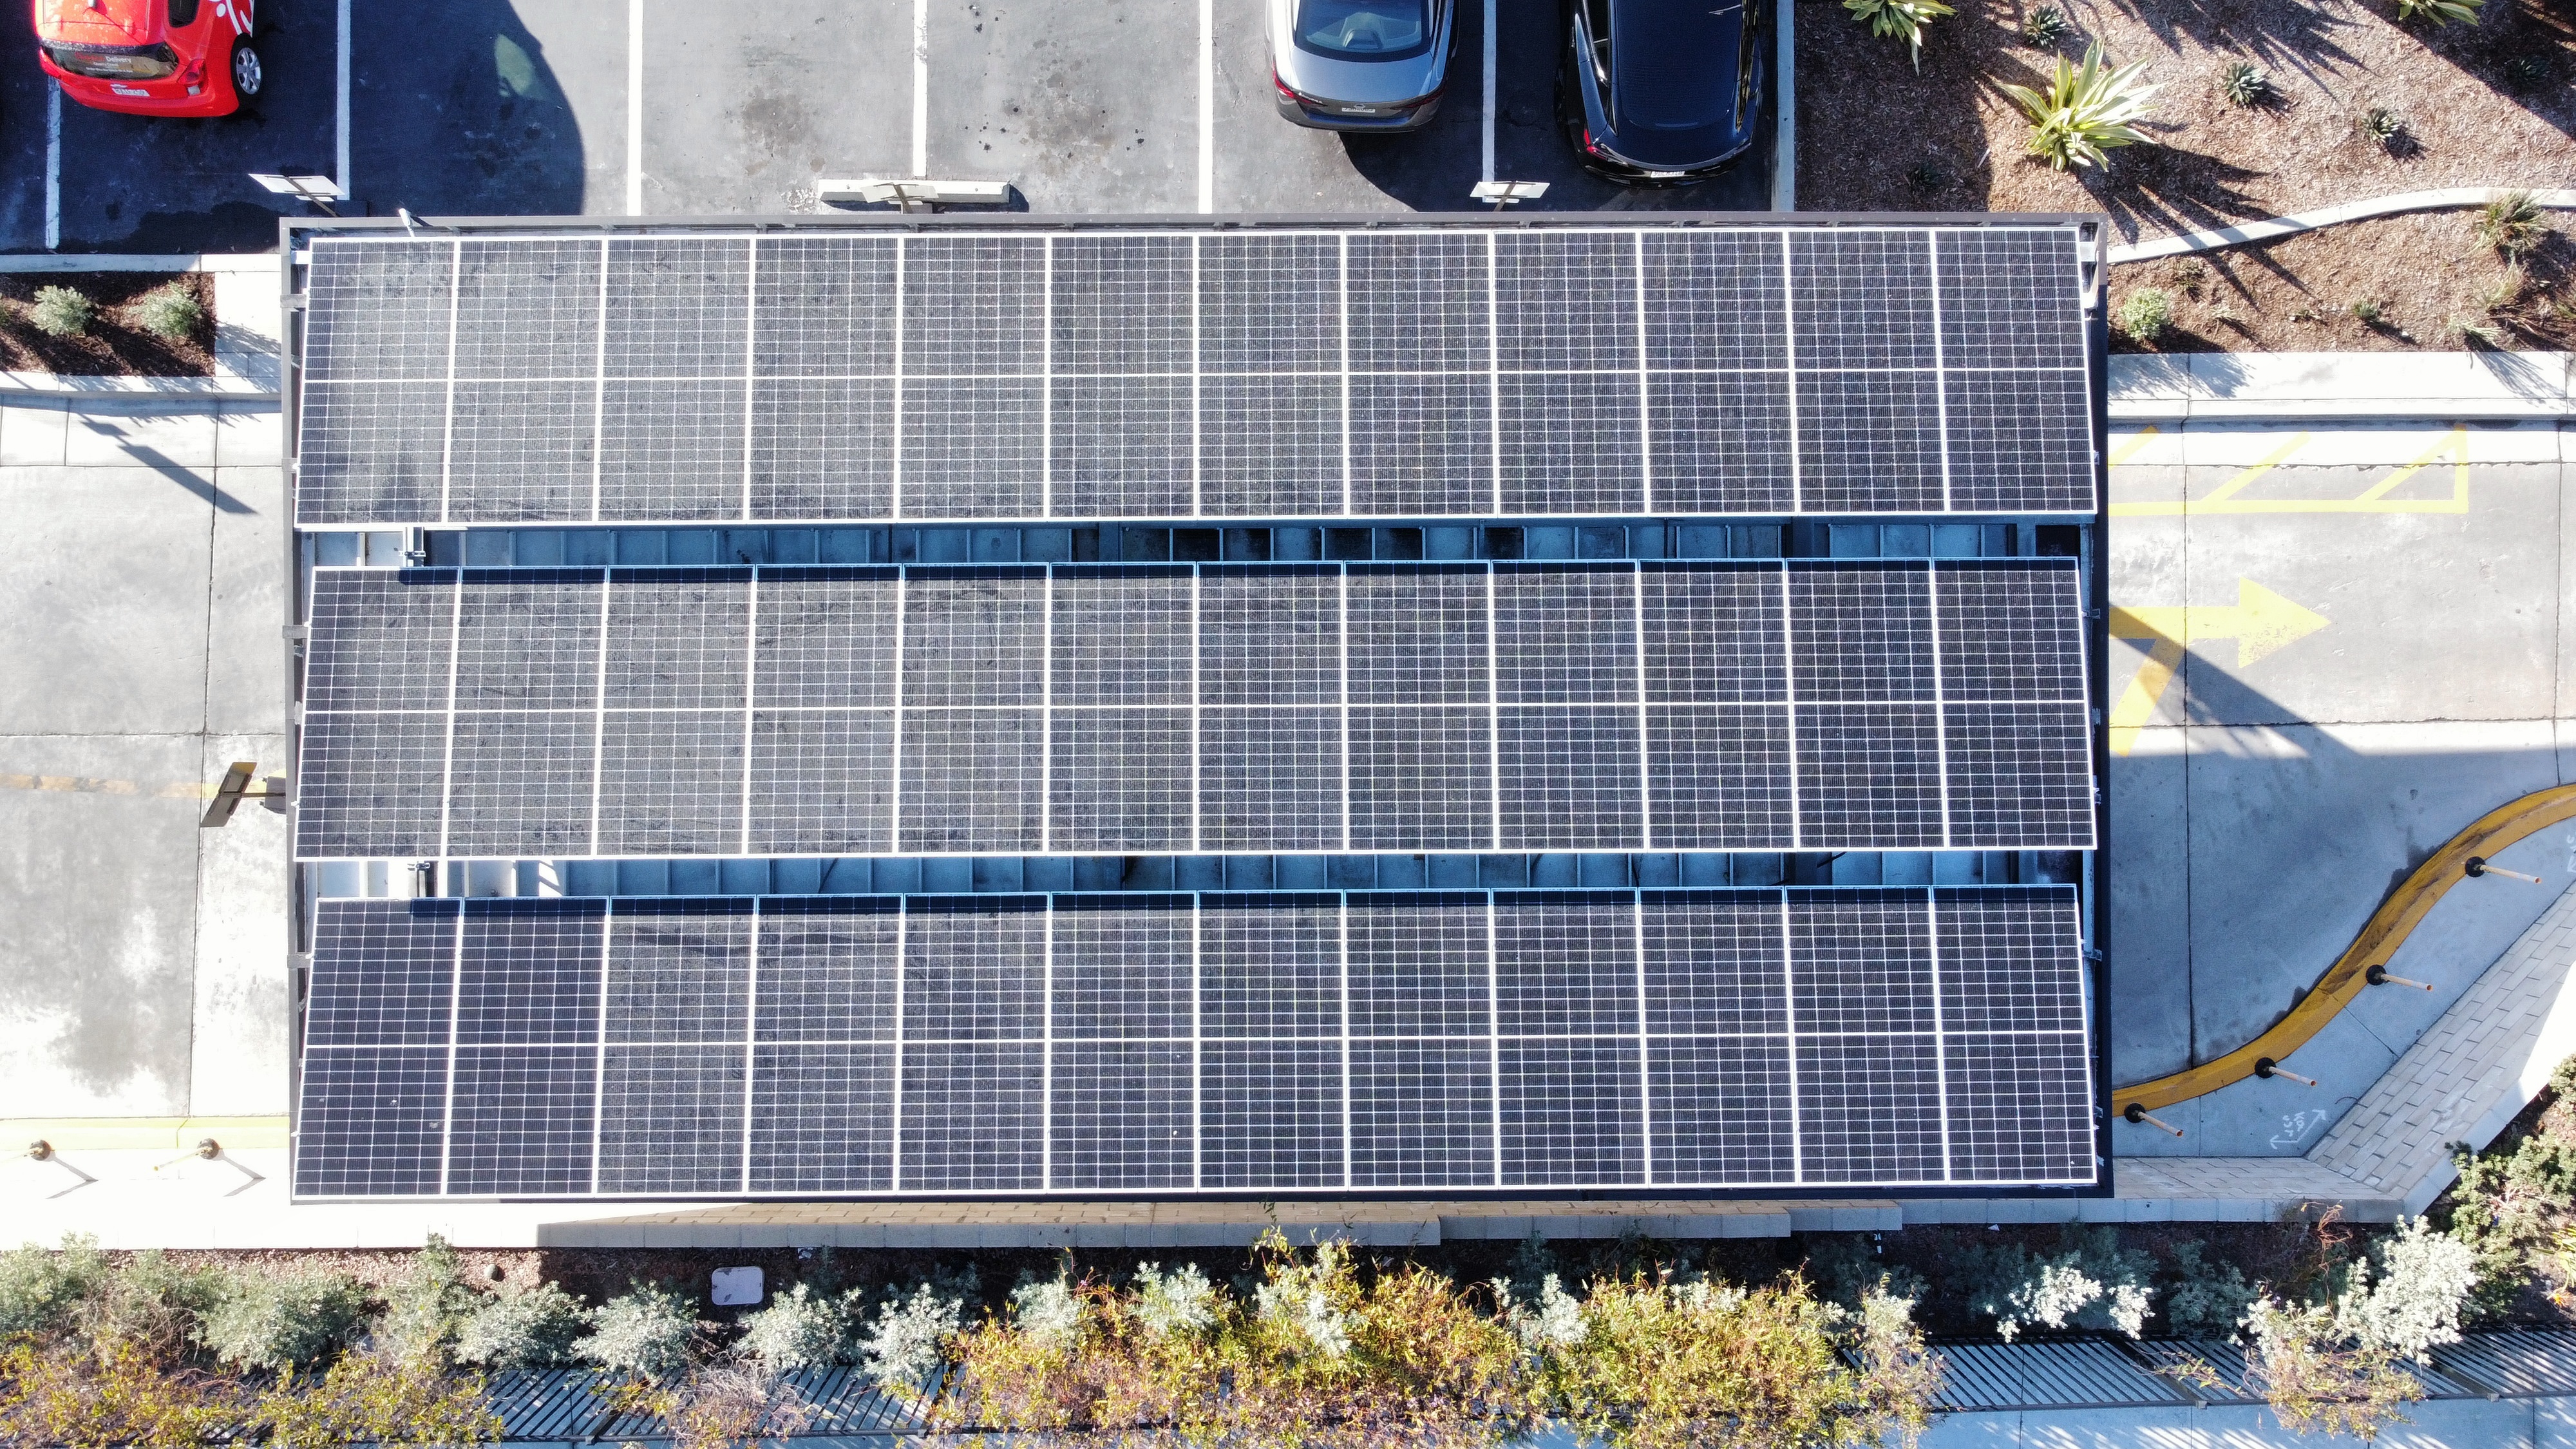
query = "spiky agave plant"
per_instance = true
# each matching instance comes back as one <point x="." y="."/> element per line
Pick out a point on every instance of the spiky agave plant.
<point x="2085" y="111"/>
<point x="2244" y="83"/>
<point x="2440" y="12"/>
<point x="1902" y="18"/>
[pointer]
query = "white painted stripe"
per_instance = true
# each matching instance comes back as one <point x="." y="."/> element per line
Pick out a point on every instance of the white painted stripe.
<point x="53" y="164"/>
<point x="1207" y="105"/>
<point x="920" y="87"/>
<point x="340" y="109"/>
<point x="634" y="107"/>
<point x="1492" y="21"/>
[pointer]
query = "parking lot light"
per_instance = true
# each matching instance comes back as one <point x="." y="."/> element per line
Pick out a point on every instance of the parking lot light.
<point x="2137" y="1113"/>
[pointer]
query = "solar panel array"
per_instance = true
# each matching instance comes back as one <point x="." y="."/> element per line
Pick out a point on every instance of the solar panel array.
<point x="1255" y="709"/>
<point x="1219" y="1043"/>
<point x="1242" y="373"/>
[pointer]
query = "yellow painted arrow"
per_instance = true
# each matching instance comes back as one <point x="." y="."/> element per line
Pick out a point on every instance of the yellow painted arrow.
<point x="2260" y="621"/>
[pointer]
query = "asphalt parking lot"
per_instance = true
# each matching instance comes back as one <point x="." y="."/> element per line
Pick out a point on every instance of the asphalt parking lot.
<point x="607" y="107"/>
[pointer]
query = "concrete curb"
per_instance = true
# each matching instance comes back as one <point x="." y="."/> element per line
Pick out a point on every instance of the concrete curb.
<point x="248" y="325"/>
<point x="2379" y="386"/>
<point x="2296" y="222"/>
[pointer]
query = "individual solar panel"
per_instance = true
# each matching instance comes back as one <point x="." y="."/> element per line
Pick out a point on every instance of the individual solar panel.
<point x="1156" y="373"/>
<point x="1805" y="705"/>
<point x="1785" y="1039"/>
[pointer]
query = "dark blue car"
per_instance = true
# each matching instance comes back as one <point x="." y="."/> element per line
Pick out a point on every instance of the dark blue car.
<point x="1662" y="92"/>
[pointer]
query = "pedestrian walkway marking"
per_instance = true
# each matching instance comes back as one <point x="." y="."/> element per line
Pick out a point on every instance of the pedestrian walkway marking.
<point x="2374" y="500"/>
<point x="87" y="785"/>
<point x="2260" y="621"/>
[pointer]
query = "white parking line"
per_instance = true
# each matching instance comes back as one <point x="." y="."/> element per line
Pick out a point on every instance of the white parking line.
<point x="1207" y="106"/>
<point x="1491" y="24"/>
<point x="634" y="107"/>
<point x="920" y="87"/>
<point x="340" y="110"/>
<point x="53" y="164"/>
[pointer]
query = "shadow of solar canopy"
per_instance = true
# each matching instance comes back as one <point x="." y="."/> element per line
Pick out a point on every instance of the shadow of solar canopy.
<point x="1798" y="705"/>
<point x="885" y="1046"/>
<point x="839" y="372"/>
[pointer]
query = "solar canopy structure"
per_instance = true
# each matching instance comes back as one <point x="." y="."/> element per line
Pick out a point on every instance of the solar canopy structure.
<point x="1889" y="748"/>
<point x="1251" y="373"/>
<point x="1720" y="706"/>
<point x="1250" y="1043"/>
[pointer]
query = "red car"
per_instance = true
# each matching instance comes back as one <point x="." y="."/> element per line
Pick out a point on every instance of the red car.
<point x="150" y="57"/>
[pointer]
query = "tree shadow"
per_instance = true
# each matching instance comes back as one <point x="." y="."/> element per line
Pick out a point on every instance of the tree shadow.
<point x="2288" y="34"/>
<point x="482" y="127"/>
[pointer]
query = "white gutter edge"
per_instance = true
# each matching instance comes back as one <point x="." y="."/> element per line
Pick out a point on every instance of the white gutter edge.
<point x="1784" y="87"/>
<point x="2296" y="222"/>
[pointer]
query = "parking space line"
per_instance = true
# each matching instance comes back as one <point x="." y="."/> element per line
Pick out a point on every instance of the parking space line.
<point x="634" y="107"/>
<point x="53" y="164"/>
<point x="340" y="107"/>
<point x="1207" y="106"/>
<point x="920" y="87"/>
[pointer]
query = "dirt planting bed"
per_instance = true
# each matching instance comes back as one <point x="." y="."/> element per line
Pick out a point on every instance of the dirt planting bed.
<point x="115" y="345"/>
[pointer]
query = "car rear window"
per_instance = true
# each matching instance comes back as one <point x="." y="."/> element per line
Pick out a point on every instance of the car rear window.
<point x="1364" y="29"/>
<point x="114" y="62"/>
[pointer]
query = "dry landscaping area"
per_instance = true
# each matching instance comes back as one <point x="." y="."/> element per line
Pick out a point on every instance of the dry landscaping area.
<point x="2352" y="102"/>
<point x="117" y="340"/>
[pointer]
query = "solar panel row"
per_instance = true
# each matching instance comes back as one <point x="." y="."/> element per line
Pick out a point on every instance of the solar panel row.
<point x="1073" y="1044"/>
<point x="1151" y="375"/>
<point x="1234" y="709"/>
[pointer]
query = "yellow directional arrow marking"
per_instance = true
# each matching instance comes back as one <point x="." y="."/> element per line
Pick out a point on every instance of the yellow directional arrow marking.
<point x="2374" y="500"/>
<point x="2260" y="621"/>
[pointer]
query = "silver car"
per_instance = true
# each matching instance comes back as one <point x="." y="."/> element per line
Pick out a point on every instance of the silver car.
<point x="1360" y="65"/>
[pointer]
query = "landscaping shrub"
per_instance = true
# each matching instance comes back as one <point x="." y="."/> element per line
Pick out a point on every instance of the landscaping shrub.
<point x="2316" y="1379"/>
<point x="523" y="1328"/>
<point x="2085" y="111"/>
<point x="2092" y="1283"/>
<point x="2440" y="12"/>
<point x="2042" y="28"/>
<point x="800" y="1328"/>
<point x="2526" y="73"/>
<point x="2146" y="314"/>
<point x="2207" y="1300"/>
<point x="2244" y="83"/>
<point x="62" y="312"/>
<point x="429" y="1307"/>
<point x="1900" y="18"/>
<point x="2383" y="127"/>
<point x="169" y="312"/>
<point x="902" y="1349"/>
<point x="42" y="1290"/>
<point x="294" y="1319"/>
<point x="2513" y="224"/>
<point x="646" y="1331"/>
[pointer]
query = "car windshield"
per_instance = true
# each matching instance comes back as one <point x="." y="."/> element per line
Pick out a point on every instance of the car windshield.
<point x="1364" y="29"/>
<point x="115" y="62"/>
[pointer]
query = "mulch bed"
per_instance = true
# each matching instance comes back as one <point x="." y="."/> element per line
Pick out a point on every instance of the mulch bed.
<point x="1874" y="135"/>
<point x="113" y="346"/>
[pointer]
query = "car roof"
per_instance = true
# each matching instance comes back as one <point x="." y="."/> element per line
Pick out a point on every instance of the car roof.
<point x="109" y="22"/>
<point x="1672" y="62"/>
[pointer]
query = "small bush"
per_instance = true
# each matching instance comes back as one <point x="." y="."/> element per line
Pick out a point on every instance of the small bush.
<point x="2316" y="1379"/>
<point x="645" y="1331"/>
<point x="2513" y="223"/>
<point x="799" y="1329"/>
<point x="2042" y="28"/>
<point x="2146" y="314"/>
<point x="370" y="1399"/>
<point x="153" y="1304"/>
<point x="42" y="1289"/>
<point x="2092" y="1283"/>
<point x="2526" y="73"/>
<point x="62" y="312"/>
<point x="908" y="1341"/>
<point x="1903" y="19"/>
<point x="2423" y="1280"/>
<point x="2440" y="12"/>
<point x="171" y="312"/>
<point x="2244" y="83"/>
<point x="2207" y="1300"/>
<point x="523" y="1328"/>
<point x="2085" y="111"/>
<point x="1926" y="176"/>
<point x="2367" y="311"/>
<point x="2382" y="127"/>
<point x="286" y="1320"/>
<point x="426" y="1310"/>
